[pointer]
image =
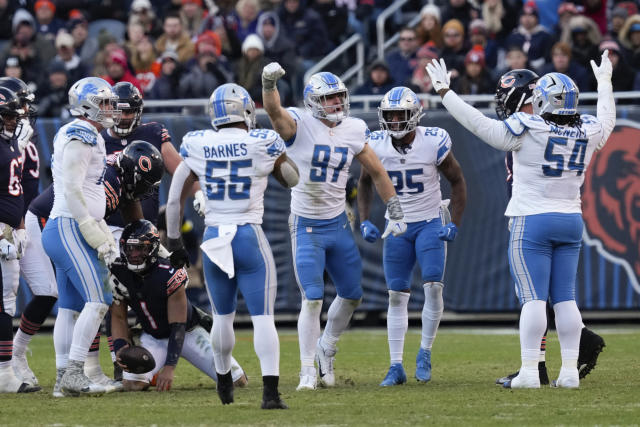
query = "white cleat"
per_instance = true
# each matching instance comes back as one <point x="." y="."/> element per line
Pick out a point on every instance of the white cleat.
<point x="22" y="370"/>
<point x="526" y="378"/>
<point x="57" y="388"/>
<point x="307" y="382"/>
<point x="75" y="383"/>
<point x="9" y="383"/>
<point x="325" y="359"/>
<point x="568" y="378"/>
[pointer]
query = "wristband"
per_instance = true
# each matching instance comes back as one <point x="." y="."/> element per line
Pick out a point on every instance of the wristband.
<point x="176" y="340"/>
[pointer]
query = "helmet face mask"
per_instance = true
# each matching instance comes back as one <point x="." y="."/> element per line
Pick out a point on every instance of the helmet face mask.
<point x="555" y="94"/>
<point x="139" y="245"/>
<point x="94" y="99"/>
<point x="24" y="93"/>
<point x="327" y="97"/>
<point x="400" y="112"/>
<point x="131" y="104"/>
<point x="11" y="112"/>
<point x="231" y="103"/>
<point x="514" y="90"/>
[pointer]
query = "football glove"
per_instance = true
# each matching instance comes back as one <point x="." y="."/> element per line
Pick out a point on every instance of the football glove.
<point x="270" y="75"/>
<point x="448" y="232"/>
<point x="369" y="231"/>
<point x="93" y="233"/>
<point x="24" y="132"/>
<point x="179" y="256"/>
<point x="20" y="240"/>
<point x="605" y="70"/>
<point x="440" y="78"/>
<point x="107" y="253"/>
<point x="199" y="202"/>
<point x="396" y="224"/>
<point x="8" y="251"/>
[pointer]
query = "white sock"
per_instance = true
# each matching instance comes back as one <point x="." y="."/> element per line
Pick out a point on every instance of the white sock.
<point x="308" y="333"/>
<point x="338" y="317"/>
<point x="223" y="339"/>
<point x="533" y="322"/>
<point x="86" y="329"/>
<point x="266" y="344"/>
<point x="431" y="313"/>
<point x="92" y="363"/>
<point x="20" y="342"/>
<point x="63" y="334"/>
<point x="397" y="324"/>
<point x="569" y="327"/>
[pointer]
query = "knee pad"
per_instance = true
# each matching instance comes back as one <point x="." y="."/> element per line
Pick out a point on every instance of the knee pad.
<point x="98" y="307"/>
<point x="398" y="299"/>
<point x="433" y="288"/>
<point x="312" y="305"/>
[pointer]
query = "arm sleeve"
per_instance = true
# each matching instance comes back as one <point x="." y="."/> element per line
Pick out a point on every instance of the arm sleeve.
<point x="173" y="202"/>
<point x="493" y="132"/>
<point x="77" y="156"/>
<point x="606" y="110"/>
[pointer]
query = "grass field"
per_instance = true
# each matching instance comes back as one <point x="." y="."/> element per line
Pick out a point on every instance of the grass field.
<point x="462" y="391"/>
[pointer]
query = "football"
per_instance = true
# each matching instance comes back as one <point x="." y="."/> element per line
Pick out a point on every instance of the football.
<point x="137" y="359"/>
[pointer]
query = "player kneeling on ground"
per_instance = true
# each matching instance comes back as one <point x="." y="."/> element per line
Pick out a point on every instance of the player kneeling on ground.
<point x="156" y="293"/>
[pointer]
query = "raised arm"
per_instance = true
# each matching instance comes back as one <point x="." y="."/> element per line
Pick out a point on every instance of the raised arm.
<point x="606" y="107"/>
<point x="493" y="132"/>
<point x="281" y="121"/>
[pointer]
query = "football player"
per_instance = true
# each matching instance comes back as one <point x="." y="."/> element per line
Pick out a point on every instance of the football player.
<point x="323" y="140"/>
<point x="552" y="149"/>
<point x="76" y="237"/>
<point x="233" y="161"/>
<point x="514" y="93"/>
<point x="12" y="235"/>
<point x="413" y="156"/>
<point x="171" y="326"/>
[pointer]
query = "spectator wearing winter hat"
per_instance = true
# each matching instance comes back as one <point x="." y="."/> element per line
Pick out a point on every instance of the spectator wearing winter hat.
<point x="118" y="69"/>
<point x="246" y="14"/>
<point x="461" y="10"/>
<point x="48" y="25"/>
<point x="623" y="77"/>
<point x="207" y="70"/>
<point x="475" y="79"/>
<point x="547" y="12"/>
<point x="175" y="38"/>
<point x="561" y="62"/>
<point x="583" y="35"/>
<point x="53" y="96"/>
<point x="629" y="38"/>
<point x="619" y="16"/>
<point x="146" y="68"/>
<point x="67" y="55"/>
<point x="455" y="46"/>
<point x="532" y="37"/>
<point x="277" y="46"/>
<point x="192" y="14"/>
<point x="142" y="12"/>
<point x="420" y="80"/>
<point x="515" y="59"/>
<point x="86" y="47"/>
<point x="478" y="36"/>
<point x="566" y="11"/>
<point x="306" y="29"/>
<point x="428" y="29"/>
<point x="402" y="60"/>
<point x="378" y="82"/>
<point x="168" y="82"/>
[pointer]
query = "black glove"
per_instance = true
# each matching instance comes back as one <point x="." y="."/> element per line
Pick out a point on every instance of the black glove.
<point x="179" y="256"/>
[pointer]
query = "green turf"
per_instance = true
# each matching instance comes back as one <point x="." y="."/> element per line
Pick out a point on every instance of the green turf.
<point x="462" y="391"/>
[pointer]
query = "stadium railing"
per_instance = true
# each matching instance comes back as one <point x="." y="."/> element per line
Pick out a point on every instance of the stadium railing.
<point x="384" y="44"/>
<point x="356" y="69"/>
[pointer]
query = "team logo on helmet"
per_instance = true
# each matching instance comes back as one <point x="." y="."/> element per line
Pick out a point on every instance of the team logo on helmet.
<point x="611" y="202"/>
<point x="145" y="163"/>
<point x="507" y="81"/>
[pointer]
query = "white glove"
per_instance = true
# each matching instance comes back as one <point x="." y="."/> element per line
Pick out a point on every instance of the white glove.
<point x="107" y="253"/>
<point x="107" y="231"/>
<point x="440" y="78"/>
<point x="604" y="71"/>
<point x="20" y="240"/>
<point x="93" y="233"/>
<point x="199" y="202"/>
<point x="120" y="292"/>
<point x="24" y="132"/>
<point x="270" y="75"/>
<point x="8" y="251"/>
<point x="394" y="227"/>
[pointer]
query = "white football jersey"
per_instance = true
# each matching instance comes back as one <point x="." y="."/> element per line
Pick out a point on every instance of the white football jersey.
<point x="323" y="156"/>
<point x="415" y="173"/>
<point x="233" y="168"/>
<point x="92" y="184"/>
<point x="549" y="166"/>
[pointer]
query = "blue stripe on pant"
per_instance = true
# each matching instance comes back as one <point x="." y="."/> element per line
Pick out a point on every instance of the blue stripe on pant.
<point x="543" y="256"/>
<point x="80" y="276"/>
<point x="255" y="273"/>
<point x="320" y="244"/>
<point x="420" y="242"/>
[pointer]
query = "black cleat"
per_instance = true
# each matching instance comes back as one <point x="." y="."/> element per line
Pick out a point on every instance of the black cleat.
<point x="224" y="387"/>
<point x="591" y="344"/>
<point x="542" y="370"/>
<point x="28" y="388"/>
<point x="276" y="403"/>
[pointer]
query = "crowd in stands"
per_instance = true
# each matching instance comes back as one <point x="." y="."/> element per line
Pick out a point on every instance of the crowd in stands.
<point x="172" y="49"/>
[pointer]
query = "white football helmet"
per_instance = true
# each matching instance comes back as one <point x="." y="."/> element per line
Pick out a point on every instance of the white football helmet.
<point x="93" y="98"/>
<point x="231" y="103"/>
<point x="399" y="99"/>
<point x="320" y="86"/>
<point x="555" y="93"/>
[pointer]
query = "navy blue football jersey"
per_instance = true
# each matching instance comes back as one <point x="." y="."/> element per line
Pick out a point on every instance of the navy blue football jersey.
<point x="149" y="293"/>
<point x="155" y="134"/>
<point x="30" y="174"/>
<point x="11" y="194"/>
<point x="41" y="205"/>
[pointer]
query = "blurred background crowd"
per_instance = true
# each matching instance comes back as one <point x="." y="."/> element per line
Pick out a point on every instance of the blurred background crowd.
<point x="174" y="49"/>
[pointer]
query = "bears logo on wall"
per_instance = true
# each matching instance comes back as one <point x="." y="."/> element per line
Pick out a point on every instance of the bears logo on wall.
<point x="611" y="200"/>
